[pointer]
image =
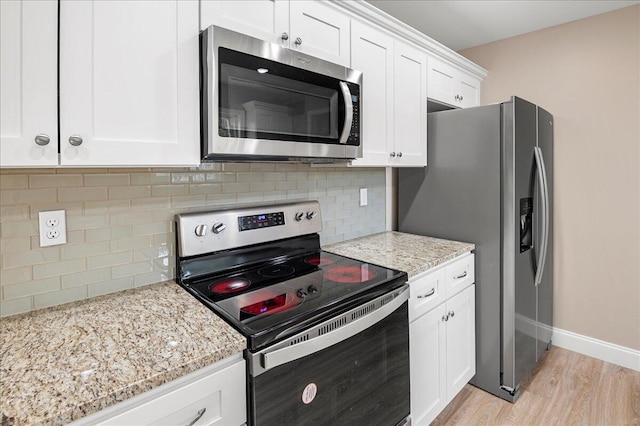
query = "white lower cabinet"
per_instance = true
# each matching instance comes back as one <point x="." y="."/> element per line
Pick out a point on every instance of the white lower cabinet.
<point x="441" y="337"/>
<point x="214" y="395"/>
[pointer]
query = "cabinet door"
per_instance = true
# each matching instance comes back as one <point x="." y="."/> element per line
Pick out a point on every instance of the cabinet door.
<point x="427" y="349"/>
<point x="461" y="341"/>
<point x="28" y="83"/>
<point x="469" y="91"/>
<point x="263" y="19"/>
<point x="372" y="53"/>
<point x="410" y="101"/>
<point x="320" y="31"/>
<point x="441" y="81"/>
<point x="129" y="82"/>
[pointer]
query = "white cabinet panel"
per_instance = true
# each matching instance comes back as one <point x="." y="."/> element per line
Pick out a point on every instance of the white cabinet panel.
<point x="428" y="349"/>
<point x="461" y="343"/>
<point x="214" y="395"/>
<point x="28" y="82"/>
<point x="450" y="85"/>
<point x="263" y="19"/>
<point x="441" y="337"/>
<point x="311" y="27"/>
<point x="372" y="53"/>
<point x="322" y="31"/>
<point x="129" y="91"/>
<point x="410" y="118"/>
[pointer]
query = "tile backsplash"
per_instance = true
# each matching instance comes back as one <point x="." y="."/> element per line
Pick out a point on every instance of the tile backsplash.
<point x="120" y="221"/>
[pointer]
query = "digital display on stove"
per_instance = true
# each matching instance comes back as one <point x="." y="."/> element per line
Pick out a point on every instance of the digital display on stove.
<point x="258" y="221"/>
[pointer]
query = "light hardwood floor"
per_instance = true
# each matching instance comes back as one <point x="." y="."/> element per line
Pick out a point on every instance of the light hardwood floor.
<point x="566" y="388"/>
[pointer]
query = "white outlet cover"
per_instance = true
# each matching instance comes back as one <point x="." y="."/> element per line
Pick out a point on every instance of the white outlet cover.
<point x="52" y="227"/>
<point x="363" y="197"/>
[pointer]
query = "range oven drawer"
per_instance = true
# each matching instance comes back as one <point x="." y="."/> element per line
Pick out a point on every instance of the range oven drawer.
<point x="363" y="379"/>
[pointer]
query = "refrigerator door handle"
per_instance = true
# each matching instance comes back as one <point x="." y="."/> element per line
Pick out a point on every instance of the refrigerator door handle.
<point x="542" y="183"/>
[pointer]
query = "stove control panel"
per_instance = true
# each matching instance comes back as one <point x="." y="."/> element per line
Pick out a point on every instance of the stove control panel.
<point x="213" y="231"/>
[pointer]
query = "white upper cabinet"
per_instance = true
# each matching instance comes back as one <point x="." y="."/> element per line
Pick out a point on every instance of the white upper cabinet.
<point x="394" y="125"/>
<point x="263" y="19"/>
<point x="451" y="85"/>
<point x="410" y="112"/>
<point x="28" y="83"/>
<point x="311" y="27"/>
<point x="129" y="91"/>
<point x="372" y="53"/>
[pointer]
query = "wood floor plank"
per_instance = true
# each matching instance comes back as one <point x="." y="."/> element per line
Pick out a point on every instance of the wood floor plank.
<point x="565" y="388"/>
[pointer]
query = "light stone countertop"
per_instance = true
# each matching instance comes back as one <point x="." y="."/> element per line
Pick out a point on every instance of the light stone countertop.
<point x="62" y="363"/>
<point x="410" y="253"/>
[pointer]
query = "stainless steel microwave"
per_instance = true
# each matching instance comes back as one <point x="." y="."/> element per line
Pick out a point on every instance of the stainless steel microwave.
<point x="265" y="102"/>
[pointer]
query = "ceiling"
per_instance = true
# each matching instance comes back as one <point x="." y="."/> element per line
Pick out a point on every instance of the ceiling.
<point x="463" y="24"/>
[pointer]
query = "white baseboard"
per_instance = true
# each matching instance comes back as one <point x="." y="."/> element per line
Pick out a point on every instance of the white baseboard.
<point x="605" y="351"/>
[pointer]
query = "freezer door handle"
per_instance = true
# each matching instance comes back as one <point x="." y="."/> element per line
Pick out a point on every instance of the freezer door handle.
<point x="544" y="198"/>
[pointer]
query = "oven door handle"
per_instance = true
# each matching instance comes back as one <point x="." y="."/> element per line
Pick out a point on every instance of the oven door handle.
<point x="276" y="357"/>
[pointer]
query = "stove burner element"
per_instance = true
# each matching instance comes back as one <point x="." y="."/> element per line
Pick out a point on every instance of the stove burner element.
<point x="349" y="274"/>
<point x="229" y="285"/>
<point x="276" y="271"/>
<point x="318" y="261"/>
<point x="272" y="305"/>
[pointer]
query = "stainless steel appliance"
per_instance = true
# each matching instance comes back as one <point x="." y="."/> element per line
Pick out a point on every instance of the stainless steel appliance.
<point x="489" y="182"/>
<point x="328" y="336"/>
<point x="262" y="101"/>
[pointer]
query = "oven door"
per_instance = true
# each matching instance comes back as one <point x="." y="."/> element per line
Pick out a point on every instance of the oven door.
<point x="357" y="373"/>
<point x="265" y="100"/>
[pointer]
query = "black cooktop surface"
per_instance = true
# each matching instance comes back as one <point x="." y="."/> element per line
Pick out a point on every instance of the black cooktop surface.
<point x="276" y="299"/>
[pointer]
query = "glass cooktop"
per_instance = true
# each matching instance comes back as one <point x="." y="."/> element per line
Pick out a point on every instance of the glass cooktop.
<point x="275" y="299"/>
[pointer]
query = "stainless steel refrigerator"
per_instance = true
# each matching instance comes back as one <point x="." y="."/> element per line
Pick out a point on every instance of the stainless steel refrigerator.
<point x="489" y="181"/>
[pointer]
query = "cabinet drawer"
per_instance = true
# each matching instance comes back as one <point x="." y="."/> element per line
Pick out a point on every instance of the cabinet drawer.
<point x="216" y="399"/>
<point x="427" y="291"/>
<point x="459" y="275"/>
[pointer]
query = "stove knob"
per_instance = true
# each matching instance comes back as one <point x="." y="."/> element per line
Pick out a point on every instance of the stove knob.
<point x="312" y="289"/>
<point x="311" y="214"/>
<point x="298" y="216"/>
<point x="302" y="293"/>
<point x="218" y="227"/>
<point x="201" y="230"/>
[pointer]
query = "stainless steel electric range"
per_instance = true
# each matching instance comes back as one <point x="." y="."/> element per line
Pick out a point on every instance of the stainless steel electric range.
<point x="327" y="336"/>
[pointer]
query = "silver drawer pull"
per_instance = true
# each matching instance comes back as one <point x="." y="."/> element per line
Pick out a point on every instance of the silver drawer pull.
<point x="198" y="416"/>
<point x="42" y="139"/>
<point x="462" y="275"/>
<point x="431" y="293"/>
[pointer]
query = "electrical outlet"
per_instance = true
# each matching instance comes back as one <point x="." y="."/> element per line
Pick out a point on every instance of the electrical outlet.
<point x="363" y="197"/>
<point x="53" y="228"/>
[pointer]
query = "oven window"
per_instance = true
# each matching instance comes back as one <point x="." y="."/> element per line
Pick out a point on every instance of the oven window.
<point x="362" y="380"/>
<point x="262" y="99"/>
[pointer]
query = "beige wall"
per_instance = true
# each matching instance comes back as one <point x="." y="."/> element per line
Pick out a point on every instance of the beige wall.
<point x="587" y="74"/>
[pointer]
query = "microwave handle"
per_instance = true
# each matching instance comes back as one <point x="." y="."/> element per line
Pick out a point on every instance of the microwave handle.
<point x="348" y="112"/>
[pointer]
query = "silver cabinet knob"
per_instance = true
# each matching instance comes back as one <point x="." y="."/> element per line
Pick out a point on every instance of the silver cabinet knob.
<point x="393" y="154"/>
<point x="42" y="139"/>
<point x="284" y="36"/>
<point x="311" y="214"/>
<point x="218" y="227"/>
<point x="298" y="216"/>
<point x="75" y="140"/>
<point x="451" y="314"/>
<point x="298" y="41"/>
<point x="201" y="230"/>
<point x="399" y="154"/>
<point x="445" y="318"/>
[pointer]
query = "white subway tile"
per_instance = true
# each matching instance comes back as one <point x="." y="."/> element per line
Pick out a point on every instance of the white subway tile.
<point x="205" y="188"/>
<point x="169" y="190"/>
<point x="131" y="269"/>
<point x="14" y="213"/>
<point x="85" y="278"/>
<point x="111" y="286"/>
<point x="112" y="259"/>
<point x="150" y="278"/>
<point x="136" y="243"/>
<point x="73" y="251"/>
<point x="150" y="178"/>
<point x="16" y="181"/>
<point x="87" y="222"/>
<point x="82" y="194"/>
<point x="155" y="203"/>
<point x="129" y="192"/>
<point x="58" y="268"/>
<point x="152" y="228"/>
<point x="26" y="196"/>
<point x="16" y="275"/>
<point x="31" y="288"/>
<point x="15" y="306"/>
<point x="14" y="245"/>
<point x="59" y="297"/>
<point x="32" y="257"/>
